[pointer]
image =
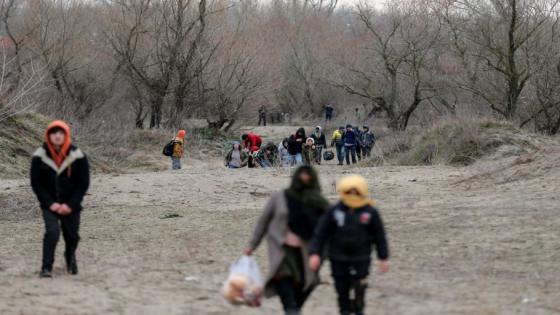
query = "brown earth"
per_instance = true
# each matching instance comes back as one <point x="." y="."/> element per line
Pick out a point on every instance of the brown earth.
<point x="482" y="239"/>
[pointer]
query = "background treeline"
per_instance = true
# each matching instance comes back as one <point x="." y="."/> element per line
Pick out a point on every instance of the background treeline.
<point x="112" y="64"/>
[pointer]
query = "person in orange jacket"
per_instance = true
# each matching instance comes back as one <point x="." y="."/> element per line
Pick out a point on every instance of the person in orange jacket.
<point x="60" y="179"/>
<point x="178" y="150"/>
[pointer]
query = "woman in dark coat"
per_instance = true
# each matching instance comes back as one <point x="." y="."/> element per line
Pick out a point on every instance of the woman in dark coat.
<point x="288" y="221"/>
<point x="60" y="179"/>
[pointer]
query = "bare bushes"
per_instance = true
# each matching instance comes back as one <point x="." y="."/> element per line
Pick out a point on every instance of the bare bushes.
<point x="454" y="142"/>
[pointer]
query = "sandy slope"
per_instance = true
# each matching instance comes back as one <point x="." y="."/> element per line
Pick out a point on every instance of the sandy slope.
<point x="460" y="244"/>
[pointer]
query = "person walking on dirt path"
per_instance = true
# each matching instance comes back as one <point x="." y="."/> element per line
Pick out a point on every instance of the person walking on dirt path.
<point x="338" y="142"/>
<point x="295" y="147"/>
<point x="262" y="115"/>
<point x="283" y="154"/>
<point x="178" y="150"/>
<point x="350" y="230"/>
<point x="320" y="142"/>
<point x="359" y="145"/>
<point x="289" y="220"/>
<point x="310" y="152"/>
<point x="236" y="157"/>
<point x="329" y="109"/>
<point x="60" y="179"/>
<point x="368" y="142"/>
<point x="350" y="142"/>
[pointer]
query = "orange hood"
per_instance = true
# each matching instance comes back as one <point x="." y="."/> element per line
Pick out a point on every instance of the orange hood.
<point x="59" y="156"/>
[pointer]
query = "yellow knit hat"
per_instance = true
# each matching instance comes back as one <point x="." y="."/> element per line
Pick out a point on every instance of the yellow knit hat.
<point x="354" y="183"/>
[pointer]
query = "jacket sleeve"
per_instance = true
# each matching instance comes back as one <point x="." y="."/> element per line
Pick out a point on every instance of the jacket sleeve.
<point x="80" y="169"/>
<point x="262" y="224"/>
<point x="324" y="139"/>
<point x="45" y="199"/>
<point x="322" y="233"/>
<point x="379" y="237"/>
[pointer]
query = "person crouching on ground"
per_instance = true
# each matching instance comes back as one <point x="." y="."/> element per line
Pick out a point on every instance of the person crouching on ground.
<point x="289" y="220"/>
<point x="60" y="180"/>
<point x="309" y="152"/>
<point x="268" y="156"/>
<point x="178" y="150"/>
<point x="236" y="157"/>
<point x="350" y="230"/>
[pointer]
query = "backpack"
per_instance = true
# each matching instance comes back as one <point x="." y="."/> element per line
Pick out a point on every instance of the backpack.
<point x="168" y="148"/>
<point x="328" y="155"/>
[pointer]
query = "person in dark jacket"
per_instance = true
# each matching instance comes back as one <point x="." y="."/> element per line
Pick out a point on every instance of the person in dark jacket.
<point x="320" y="143"/>
<point x="368" y="142"/>
<point x="60" y="180"/>
<point x="350" y="230"/>
<point x="359" y="145"/>
<point x="288" y="221"/>
<point x="329" y="109"/>
<point x="295" y="147"/>
<point x="350" y="143"/>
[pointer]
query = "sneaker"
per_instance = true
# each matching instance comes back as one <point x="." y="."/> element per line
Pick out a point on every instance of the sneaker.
<point x="45" y="273"/>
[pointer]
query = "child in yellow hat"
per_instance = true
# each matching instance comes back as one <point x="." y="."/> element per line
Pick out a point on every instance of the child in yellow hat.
<point x="351" y="229"/>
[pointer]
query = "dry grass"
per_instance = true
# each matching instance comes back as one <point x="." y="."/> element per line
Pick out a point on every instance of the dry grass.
<point x="453" y="142"/>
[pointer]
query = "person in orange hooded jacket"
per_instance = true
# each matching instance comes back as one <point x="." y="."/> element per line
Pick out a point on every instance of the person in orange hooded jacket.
<point x="178" y="150"/>
<point x="60" y="180"/>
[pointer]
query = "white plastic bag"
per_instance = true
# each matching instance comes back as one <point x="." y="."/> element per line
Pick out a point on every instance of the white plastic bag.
<point x="244" y="285"/>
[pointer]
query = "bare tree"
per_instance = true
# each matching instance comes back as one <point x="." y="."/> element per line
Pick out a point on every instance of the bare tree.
<point x="394" y="74"/>
<point x="491" y="37"/>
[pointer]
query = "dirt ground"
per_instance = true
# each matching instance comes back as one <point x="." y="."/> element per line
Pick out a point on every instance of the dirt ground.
<point x="463" y="241"/>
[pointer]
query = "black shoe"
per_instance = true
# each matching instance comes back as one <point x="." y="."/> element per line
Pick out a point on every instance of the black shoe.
<point x="45" y="273"/>
<point x="72" y="266"/>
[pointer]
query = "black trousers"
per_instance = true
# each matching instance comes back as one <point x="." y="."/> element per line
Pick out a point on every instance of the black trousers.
<point x="366" y="152"/>
<point x="350" y="151"/>
<point x="340" y="153"/>
<point x="291" y="295"/>
<point x="70" y="225"/>
<point x="351" y="283"/>
<point x="262" y="118"/>
<point x="359" y="150"/>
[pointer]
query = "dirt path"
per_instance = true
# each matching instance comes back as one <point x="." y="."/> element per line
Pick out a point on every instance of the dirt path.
<point x="471" y="248"/>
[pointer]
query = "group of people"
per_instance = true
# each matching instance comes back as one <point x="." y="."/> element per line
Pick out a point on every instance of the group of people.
<point x="300" y="225"/>
<point x="351" y="144"/>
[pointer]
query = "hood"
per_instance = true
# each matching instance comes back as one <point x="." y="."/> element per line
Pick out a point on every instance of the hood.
<point x="310" y="139"/>
<point x="301" y="132"/>
<point x="58" y="156"/>
<point x="359" y="184"/>
<point x="298" y="186"/>
<point x="320" y="130"/>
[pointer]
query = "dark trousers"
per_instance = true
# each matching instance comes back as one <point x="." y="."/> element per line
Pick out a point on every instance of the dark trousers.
<point x="350" y="150"/>
<point x="359" y="150"/>
<point x="340" y="153"/>
<point x="328" y="117"/>
<point x="70" y="225"/>
<point x="262" y="118"/>
<point x="319" y="156"/>
<point x="366" y="151"/>
<point x="291" y="295"/>
<point x="350" y="281"/>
